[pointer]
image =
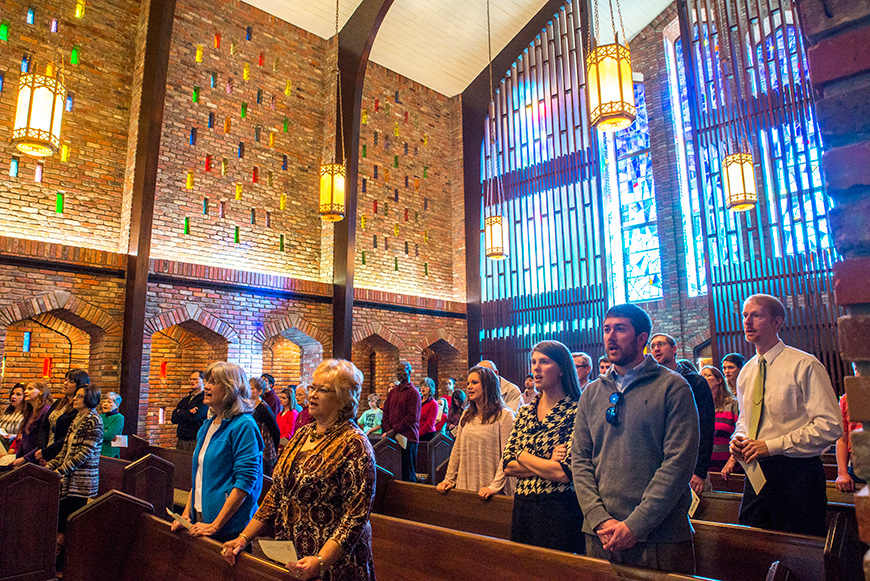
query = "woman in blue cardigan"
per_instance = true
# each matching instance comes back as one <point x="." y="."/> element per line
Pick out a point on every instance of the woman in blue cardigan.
<point x="228" y="459"/>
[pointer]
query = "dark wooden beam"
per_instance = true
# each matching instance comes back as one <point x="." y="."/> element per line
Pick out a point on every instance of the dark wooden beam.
<point x="475" y="107"/>
<point x="149" y="124"/>
<point x="354" y="45"/>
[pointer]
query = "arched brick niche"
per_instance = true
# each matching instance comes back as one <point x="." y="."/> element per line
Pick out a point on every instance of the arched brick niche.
<point x="442" y="360"/>
<point x="292" y="349"/>
<point x="377" y="355"/>
<point x="177" y="343"/>
<point x="73" y="333"/>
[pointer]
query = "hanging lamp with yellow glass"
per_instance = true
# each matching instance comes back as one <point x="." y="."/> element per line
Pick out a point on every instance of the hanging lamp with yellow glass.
<point x="609" y="81"/>
<point x="39" y="112"/>
<point x="332" y="175"/>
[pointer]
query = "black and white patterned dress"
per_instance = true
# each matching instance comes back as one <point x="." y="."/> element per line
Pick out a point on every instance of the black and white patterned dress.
<point x="546" y="512"/>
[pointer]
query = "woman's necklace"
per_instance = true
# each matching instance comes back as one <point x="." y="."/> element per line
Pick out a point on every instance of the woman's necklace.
<point x="316" y="436"/>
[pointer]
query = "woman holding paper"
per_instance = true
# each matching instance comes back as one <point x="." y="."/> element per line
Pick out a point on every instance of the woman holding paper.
<point x="113" y="423"/>
<point x="228" y="459"/>
<point x="323" y="485"/>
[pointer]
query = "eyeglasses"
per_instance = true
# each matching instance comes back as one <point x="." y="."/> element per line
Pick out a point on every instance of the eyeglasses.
<point x="612" y="413"/>
<point x="321" y="390"/>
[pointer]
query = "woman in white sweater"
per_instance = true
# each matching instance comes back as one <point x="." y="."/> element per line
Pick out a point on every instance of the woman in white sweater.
<point x="483" y="431"/>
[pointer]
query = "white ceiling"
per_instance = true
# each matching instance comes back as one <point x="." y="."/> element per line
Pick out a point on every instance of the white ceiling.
<point x="441" y="44"/>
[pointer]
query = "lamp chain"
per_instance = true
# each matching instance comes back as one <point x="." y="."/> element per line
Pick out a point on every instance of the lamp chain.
<point x="340" y="125"/>
<point x="493" y="140"/>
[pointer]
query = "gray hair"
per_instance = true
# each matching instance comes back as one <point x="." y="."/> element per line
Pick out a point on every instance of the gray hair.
<point x="234" y="380"/>
<point x="116" y="399"/>
<point x="347" y="381"/>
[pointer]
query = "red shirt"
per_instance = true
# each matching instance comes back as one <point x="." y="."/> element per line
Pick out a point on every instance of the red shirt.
<point x="303" y="419"/>
<point x="402" y="411"/>
<point x="428" y="415"/>
<point x="286" y="421"/>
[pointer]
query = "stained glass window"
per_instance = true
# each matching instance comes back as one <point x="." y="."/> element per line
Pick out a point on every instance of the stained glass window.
<point x="631" y="209"/>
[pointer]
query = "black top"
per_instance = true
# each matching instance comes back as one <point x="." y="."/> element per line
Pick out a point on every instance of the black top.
<point x="706" y="417"/>
<point x="61" y="428"/>
<point x="189" y="414"/>
<point x="264" y="416"/>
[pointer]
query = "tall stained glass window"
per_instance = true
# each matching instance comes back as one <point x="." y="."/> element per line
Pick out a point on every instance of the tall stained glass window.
<point x="631" y="209"/>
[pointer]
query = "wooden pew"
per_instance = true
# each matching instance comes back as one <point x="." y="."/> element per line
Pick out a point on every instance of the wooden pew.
<point x="29" y="498"/>
<point x="149" y="478"/>
<point x="430" y="455"/>
<point x="116" y="537"/>
<point x="721" y="550"/>
<point x="735" y="484"/>
<point x="388" y="455"/>
<point x="444" y="554"/>
<point x="724" y="507"/>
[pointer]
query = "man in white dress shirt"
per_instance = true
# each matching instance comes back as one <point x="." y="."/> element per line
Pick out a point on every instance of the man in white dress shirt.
<point x="509" y="391"/>
<point x="788" y="417"/>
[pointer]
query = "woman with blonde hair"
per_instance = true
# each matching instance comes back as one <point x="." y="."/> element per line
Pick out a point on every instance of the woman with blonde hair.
<point x="483" y="431"/>
<point x="323" y="485"/>
<point x="726" y="419"/>
<point x="228" y="459"/>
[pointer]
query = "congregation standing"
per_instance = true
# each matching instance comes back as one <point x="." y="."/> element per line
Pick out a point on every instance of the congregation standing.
<point x="560" y="447"/>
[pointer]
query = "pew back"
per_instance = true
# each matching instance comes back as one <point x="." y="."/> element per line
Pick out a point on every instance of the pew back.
<point x="29" y="498"/>
<point x="142" y="548"/>
<point x="444" y="554"/>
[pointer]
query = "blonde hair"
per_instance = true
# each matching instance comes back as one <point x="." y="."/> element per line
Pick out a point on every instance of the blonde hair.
<point x="234" y="380"/>
<point x="347" y="381"/>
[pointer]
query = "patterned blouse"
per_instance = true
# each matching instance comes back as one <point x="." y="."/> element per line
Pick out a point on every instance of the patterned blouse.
<point x="539" y="439"/>
<point x="326" y="493"/>
<point x="726" y="420"/>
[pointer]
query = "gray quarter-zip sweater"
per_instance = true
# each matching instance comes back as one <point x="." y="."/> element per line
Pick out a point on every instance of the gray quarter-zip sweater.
<point x="637" y="471"/>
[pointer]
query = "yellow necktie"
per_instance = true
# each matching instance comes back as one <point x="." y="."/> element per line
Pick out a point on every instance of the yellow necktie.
<point x="757" y="398"/>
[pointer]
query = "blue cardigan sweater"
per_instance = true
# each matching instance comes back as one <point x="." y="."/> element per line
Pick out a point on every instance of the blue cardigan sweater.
<point x="234" y="459"/>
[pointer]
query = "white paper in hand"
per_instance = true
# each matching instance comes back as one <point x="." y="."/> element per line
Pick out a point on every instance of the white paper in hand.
<point x="4" y="433"/>
<point x="755" y="475"/>
<point x="279" y="551"/>
<point x="179" y="519"/>
<point x="402" y="440"/>
<point x="7" y="460"/>
<point x="696" y="500"/>
<point x="119" y="442"/>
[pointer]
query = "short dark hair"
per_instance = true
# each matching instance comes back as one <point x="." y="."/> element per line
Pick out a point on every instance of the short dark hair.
<point x="638" y="318"/>
<point x="735" y="358"/>
<point x="78" y="376"/>
<point x="603" y="358"/>
<point x="560" y="354"/>
<point x="269" y="379"/>
<point x="201" y="374"/>
<point x="92" y="395"/>
<point x="689" y="363"/>
<point x="671" y="341"/>
<point x="10" y="409"/>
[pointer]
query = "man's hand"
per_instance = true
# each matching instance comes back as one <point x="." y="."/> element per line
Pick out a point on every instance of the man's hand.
<point x="845" y="482"/>
<point x="619" y="535"/>
<point x="737" y="445"/>
<point x="697" y="484"/>
<point x="606" y="525"/>
<point x="754" y="449"/>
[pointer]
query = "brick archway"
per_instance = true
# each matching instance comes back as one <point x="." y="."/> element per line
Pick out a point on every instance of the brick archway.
<point x="63" y="312"/>
<point x="292" y="348"/>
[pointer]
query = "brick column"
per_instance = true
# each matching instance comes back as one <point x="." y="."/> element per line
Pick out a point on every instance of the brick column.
<point x="838" y="34"/>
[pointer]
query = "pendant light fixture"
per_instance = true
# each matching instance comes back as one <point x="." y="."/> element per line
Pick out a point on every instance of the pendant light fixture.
<point x="39" y="113"/>
<point x="332" y="175"/>
<point x="495" y="236"/>
<point x="608" y="76"/>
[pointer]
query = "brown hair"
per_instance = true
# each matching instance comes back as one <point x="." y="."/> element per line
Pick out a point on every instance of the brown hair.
<point x="30" y="413"/>
<point x="725" y="394"/>
<point x="493" y="403"/>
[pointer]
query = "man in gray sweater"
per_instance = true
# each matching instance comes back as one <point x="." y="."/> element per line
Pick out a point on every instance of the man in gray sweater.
<point x="633" y="453"/>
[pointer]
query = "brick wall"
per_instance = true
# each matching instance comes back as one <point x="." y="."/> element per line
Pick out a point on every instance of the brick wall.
<point x="96" y="129"/>
<point x="289" y="55"/>
<point x="67" y="346"/>
<point x="283" y="360"/>
<point x="409" y="144"/>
